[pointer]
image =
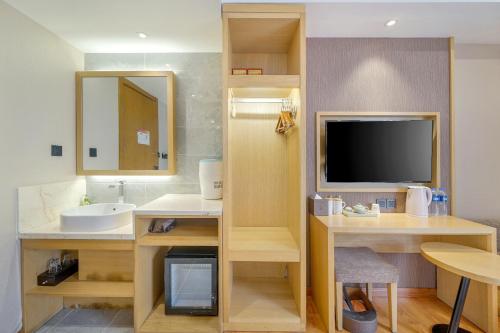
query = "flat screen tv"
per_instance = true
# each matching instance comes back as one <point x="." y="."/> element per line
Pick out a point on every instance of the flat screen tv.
<point x="395" y="151"/>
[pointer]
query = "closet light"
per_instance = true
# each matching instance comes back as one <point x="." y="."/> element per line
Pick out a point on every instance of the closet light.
<point x="391" y="23"/>
<point x="258" y="100"/>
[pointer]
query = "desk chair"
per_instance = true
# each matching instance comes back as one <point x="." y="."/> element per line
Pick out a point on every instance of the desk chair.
<point x="362" y="265"/>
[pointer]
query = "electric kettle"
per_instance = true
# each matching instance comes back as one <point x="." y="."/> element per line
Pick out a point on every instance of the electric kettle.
<point x="418" y="199"/>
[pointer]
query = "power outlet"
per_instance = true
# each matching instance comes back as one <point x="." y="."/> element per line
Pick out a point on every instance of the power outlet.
<point x="391" y="203"/>
<point x="382" y="203"/>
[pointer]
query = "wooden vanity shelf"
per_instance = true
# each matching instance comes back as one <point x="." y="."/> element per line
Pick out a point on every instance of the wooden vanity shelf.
<point x="72" y="287"/>
<point x="105" y="277"/>
<point x="185" y="233"/>
<point x="264" y="172"/>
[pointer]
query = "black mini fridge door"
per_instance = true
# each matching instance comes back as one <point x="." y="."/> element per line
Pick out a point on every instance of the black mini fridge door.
<point x="191" y="283"/>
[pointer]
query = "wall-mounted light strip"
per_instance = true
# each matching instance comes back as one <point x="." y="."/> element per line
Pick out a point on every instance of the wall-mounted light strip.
<point x="130" y="179"/>
<point x="258" y="100"/>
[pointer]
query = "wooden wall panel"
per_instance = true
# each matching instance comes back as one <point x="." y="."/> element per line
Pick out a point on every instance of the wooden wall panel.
<point x="258" y="167"/>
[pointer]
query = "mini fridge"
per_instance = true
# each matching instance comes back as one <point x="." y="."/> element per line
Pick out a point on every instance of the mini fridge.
<point x="191" y="281"/>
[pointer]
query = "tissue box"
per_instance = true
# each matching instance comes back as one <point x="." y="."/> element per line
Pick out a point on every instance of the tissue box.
<point x="318" y="207"/>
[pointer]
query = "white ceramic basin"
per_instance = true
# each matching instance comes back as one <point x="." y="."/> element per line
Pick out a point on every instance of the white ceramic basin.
<point x="97" y="217"/>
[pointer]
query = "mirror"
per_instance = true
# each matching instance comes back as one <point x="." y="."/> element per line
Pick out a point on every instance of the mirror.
<point x="125" y="123"/>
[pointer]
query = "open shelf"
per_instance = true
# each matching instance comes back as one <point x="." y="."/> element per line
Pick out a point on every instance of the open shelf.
<point x="159" y="322"/>
<point x="72" y="287"/>
<point x="185" y="233"/>
<point x="264" y="81"/>
<point x="263" y="35"/>
<point x="263" y="244"/>
<point x="262" y="304"/>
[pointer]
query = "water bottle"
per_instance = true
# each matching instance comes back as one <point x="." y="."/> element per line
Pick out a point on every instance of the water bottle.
<point x="443" y="202"/>
<point x="434" y="207"/>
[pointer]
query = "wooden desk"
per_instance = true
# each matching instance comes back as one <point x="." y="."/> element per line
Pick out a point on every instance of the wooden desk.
<point x="400" y="233"/>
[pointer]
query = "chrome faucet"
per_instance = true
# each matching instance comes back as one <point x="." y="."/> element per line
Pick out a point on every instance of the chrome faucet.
<point x="121" y="191"/>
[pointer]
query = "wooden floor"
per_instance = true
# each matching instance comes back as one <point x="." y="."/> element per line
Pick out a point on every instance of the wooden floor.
<point x="415" y="314"/>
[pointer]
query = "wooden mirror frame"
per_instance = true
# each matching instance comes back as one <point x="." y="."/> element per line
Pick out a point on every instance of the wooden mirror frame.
<point x="170" y="122"/>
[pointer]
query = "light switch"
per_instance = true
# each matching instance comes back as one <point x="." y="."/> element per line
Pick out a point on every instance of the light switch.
<point x="56" y="150"/>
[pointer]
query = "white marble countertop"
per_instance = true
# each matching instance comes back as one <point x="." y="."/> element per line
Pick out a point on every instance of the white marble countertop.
<point x="167" y="205"/>
<point x="53" y="231"/>
<point x="181" y="204"/>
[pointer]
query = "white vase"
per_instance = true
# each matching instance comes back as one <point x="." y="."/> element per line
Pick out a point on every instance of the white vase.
<point x="211" y="176"/>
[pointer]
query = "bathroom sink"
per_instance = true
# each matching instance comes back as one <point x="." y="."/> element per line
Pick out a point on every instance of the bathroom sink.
<point x="97" y="217"/>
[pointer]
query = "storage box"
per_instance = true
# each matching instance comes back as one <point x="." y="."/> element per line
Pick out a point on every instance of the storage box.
<point x="239" y="71"/>
<point x="254" y="71"/>
<point x="318" y="207"/>
<point x="47" y="279"/>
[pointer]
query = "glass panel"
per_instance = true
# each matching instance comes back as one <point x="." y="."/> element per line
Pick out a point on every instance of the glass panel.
<point x="191" y="285"/>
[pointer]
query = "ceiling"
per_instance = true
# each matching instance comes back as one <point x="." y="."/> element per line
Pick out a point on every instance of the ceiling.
<point x="97" y="26"/>
<point x="467" y="22"/>
<point x="108" y="26"/>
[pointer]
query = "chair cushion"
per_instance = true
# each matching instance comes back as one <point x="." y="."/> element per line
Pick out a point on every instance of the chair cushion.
<point x="362" y="265"/>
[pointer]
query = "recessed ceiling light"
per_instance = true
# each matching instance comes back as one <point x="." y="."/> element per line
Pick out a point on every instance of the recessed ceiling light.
<point x="391" y="23"/>
<point x="142" y="35"/>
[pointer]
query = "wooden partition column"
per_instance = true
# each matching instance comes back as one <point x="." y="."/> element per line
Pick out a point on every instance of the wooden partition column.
<point x="264" y="234"/>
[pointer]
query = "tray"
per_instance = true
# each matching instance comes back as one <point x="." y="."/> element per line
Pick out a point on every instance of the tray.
<point x="46" y="279"/>
<point x="353" y="214"/>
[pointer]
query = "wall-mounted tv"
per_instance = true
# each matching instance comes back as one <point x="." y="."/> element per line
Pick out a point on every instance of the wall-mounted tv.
<point x="392" y="151"/>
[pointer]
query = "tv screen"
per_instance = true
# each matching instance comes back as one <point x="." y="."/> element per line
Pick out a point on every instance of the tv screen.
<point x="379" y="151"/>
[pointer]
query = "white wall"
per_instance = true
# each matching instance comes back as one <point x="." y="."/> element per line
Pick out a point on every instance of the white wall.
<point x="477" y="153"/>
<point x="100" y="123"/>
<point x="36" y="110"/>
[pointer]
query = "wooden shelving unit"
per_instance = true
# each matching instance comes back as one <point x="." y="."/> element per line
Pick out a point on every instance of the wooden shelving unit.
<point x="158" y="322"/>
<point x="262" y="304"/>
<point x="264" y="172"/>
<point x="263" y="244"/>
<point x="186" y="233"/>
<point x="72" y="287"/>
<point x="264" y="81"/>
<point x="150" y="250"/>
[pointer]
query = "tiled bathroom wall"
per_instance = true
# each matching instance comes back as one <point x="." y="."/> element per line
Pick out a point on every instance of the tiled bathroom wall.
<point x="40" y="205"/>
<point x="198" y="121"/>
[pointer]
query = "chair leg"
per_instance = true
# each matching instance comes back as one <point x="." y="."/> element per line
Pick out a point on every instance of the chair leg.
<point x="369" y="291"/>
<point x="392" y="289"/>
<point x="339" y="305"/>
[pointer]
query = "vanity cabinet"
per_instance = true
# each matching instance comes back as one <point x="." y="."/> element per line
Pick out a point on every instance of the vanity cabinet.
<point x="124" y="272"/>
